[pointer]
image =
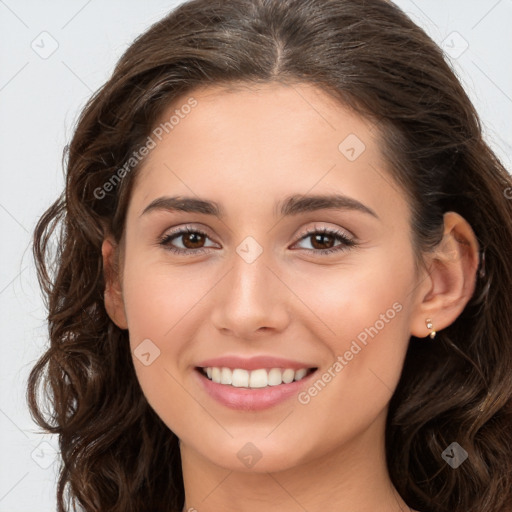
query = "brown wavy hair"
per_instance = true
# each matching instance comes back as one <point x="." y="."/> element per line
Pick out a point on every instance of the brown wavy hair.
<point x="117" y="455"/>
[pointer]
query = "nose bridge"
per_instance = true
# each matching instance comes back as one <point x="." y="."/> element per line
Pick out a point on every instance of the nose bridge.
<point x="251" y="297"/>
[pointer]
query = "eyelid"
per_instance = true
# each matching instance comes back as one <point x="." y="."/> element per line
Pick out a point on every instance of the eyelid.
<point x="187" y="228"/>
<point x="183" y="230"/>
<point x="328" y="230"/>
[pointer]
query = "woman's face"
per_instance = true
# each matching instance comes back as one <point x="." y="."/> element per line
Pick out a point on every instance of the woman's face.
<point x="294" y="253"/>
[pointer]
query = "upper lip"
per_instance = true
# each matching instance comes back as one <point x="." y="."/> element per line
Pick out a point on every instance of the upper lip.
<point x="253" y="363"/>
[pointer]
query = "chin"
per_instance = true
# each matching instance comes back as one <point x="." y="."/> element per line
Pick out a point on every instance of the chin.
<point x="254" y="457"/>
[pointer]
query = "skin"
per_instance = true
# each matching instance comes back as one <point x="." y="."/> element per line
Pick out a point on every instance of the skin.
<point x="246" y="149"/>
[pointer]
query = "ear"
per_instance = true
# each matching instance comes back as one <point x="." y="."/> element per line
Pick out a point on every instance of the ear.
<point x="114" y="303"/>
<point x="449" y="280"/>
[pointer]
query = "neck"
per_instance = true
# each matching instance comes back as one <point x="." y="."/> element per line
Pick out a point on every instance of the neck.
<point x="353" y="477"/>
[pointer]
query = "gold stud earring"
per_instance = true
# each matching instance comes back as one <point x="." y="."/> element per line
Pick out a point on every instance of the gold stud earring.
<point x="432" y="334"/>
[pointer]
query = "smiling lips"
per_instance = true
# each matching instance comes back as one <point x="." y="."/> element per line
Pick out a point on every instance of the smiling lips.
<point x="259" y="378"/>
<point x="252" y="384"/>
<point x="255" y="372"/>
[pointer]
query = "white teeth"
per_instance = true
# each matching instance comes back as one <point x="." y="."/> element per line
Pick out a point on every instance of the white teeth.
<point x="300" y="374"/>
<point x="275" y="377"/>
<point x="225" y="376"/>
<point x="216" y="375"/>
<point x="260" y="378"/>
<point x="240" y="378"/>
<point x="288" y="375"/>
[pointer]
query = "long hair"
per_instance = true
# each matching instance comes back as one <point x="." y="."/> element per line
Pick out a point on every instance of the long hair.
<point x="117" y="455"/>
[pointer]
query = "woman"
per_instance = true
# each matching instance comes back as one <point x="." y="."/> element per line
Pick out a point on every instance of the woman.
<point x="282" y="278"/>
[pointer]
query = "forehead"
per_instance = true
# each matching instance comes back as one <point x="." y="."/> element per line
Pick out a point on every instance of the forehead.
<point x="266" y="140"/>
<point x="299" y="113"/>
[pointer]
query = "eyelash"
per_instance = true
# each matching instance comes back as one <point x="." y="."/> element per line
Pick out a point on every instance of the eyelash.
<point x="338" y="235"/>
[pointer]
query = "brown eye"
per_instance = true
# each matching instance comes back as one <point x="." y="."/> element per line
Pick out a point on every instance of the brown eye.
<point x="193" y="240"/>
<point x="324" y="241"/>
<point x="186" y="241"/>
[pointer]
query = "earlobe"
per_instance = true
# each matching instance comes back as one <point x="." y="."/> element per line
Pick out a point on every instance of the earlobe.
<point x="450" y="278"/>
<point x="114" y="303"/>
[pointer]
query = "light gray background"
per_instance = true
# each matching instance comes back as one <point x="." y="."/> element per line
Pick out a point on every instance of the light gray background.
<point x="40" y="99"/>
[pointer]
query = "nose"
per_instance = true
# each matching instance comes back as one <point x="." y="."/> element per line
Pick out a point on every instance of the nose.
<point x="251" y="300"/>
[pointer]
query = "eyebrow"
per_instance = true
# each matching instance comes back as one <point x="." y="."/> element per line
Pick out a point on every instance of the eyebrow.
<point x="291" y="205"/>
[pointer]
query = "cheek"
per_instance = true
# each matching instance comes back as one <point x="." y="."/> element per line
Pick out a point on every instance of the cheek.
<point x="160" y="302"/>
<point x="364" y="312"/>
<point x="158" y="298"/>
<point x="357" y="295"/>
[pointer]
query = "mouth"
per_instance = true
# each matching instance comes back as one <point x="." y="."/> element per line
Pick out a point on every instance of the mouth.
<point x="255" y="383"/>
<point x="254" y="379"/>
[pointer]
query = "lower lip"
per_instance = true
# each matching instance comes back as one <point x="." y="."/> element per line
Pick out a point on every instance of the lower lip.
<point x="251" y="399"/>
